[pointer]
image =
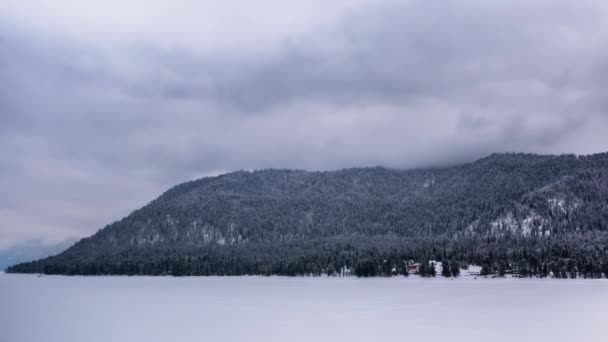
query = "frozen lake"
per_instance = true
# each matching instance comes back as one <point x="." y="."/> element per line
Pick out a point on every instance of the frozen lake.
<point x="64" y="309"/>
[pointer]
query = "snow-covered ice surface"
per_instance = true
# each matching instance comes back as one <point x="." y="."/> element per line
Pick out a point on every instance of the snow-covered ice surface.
<point x="114" y="309"/>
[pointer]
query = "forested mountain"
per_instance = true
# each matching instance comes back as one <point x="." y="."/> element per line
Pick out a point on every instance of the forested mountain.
<point x="538" y="215"/>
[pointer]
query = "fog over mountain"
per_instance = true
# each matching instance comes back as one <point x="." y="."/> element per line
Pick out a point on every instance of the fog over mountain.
<point x="104" y="105"/>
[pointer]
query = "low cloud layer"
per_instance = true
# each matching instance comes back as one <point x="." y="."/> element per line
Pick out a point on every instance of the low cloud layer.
<point x="103" y="108"/>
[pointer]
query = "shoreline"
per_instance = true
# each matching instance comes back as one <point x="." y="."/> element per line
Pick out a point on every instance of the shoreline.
<point x="282" y="277"/>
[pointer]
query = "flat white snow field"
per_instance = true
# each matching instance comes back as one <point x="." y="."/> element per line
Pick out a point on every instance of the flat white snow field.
<point x="114" y="309"/>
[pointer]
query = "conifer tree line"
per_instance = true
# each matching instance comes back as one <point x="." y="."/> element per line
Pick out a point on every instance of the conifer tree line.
<point x="523" y="258"/>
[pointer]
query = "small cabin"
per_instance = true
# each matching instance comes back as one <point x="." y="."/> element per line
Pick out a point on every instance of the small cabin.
<point x="413" y="267"/>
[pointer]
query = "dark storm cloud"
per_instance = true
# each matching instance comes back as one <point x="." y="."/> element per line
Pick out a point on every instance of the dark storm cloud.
<point x="399" y="53"/>
<point x="91" y="128"/>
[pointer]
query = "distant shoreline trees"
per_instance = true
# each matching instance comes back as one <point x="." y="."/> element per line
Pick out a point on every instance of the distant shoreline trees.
<point x="520" y="258"/>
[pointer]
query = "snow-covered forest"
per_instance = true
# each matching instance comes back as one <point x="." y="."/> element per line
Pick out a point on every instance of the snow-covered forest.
<point x="531" y="215"/>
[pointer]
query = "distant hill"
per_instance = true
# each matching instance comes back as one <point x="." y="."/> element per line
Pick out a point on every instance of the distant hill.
<point x="30" y="250"/>
<point x="523" y="213"/>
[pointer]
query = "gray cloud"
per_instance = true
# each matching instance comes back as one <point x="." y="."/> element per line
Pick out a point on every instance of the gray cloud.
<point x="93" y="126"/>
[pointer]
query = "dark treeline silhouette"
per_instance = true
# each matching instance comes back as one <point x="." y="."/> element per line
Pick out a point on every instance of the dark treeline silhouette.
<point x="523" y="214"/>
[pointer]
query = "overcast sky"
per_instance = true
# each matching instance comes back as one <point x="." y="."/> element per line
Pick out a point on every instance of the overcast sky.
<point x="106" y="104"/>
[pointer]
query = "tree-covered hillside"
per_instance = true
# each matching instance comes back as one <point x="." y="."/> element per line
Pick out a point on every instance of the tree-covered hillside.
<point x="536" y="215"/>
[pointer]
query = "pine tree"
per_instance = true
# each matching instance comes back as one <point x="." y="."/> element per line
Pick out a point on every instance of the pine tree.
<point x="422" y="269"/>
<point x="486" y="269"/>
<point x="366" y="268"/>
<point x="445" y="269"/>
<point x="432" y="271"/>
<point x="523" y="268"/>
<point x="455" y="266"/>
<point x="502" y="268"/>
